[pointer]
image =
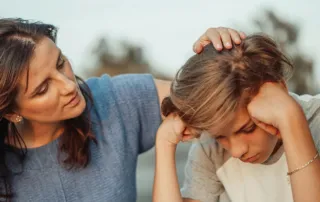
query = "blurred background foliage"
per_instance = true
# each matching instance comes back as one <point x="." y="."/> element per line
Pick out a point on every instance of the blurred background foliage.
<point x="285" y="32"/>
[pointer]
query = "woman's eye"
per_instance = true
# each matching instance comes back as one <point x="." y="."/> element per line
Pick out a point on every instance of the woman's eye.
<point x="43" y="90"/>
<point x="61" y="62"/>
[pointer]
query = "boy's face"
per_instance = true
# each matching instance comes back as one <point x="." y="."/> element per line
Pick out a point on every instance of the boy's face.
<point x="246" y="141"/>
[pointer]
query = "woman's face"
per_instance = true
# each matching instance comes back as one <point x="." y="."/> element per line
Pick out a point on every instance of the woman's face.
<point x="49" y="93"/>
<point x="246" y="141"/>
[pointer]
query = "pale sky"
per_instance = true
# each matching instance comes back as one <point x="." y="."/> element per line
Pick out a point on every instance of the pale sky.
<point x="166" y="28"/>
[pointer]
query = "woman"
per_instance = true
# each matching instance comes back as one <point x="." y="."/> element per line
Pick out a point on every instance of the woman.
<point x="96" y="128"/>
<point x="255" y="134"/>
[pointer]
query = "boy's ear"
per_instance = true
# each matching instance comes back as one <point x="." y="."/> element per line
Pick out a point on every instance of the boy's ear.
<point x="191" y="132"/>
<point x="187" y="131"/>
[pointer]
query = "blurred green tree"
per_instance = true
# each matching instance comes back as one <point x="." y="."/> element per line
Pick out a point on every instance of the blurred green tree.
<point x="286" y="34"/>
<point x="132" y="60"/>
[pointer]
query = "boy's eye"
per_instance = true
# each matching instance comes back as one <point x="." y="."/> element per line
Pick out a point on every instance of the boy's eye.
<point x="251" y="129"/>
<point x="220" y="137"/>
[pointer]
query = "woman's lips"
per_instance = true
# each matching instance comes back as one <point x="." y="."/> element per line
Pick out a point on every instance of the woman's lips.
<point x="74" y="100"/>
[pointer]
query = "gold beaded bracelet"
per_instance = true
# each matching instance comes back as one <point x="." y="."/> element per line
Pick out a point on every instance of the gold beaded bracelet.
<point x="305" y="165"/>
<point x="302" y="167"/>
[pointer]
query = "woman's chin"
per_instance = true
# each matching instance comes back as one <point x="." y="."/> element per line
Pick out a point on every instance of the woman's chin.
<point x="77" y="110"/>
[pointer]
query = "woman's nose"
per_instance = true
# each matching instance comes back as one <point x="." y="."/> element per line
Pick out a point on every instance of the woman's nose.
<point x="68" y="86"/>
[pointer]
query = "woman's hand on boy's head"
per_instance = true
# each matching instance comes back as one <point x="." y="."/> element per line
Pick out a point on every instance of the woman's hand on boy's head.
<point x="220" y="37"/>
<point x="172" y="131"/>
<point x="271" y="106"/>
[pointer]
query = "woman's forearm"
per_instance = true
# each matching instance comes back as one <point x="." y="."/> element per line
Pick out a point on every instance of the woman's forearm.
<point x="300" y="149"/>
<point x="166" y="186"/>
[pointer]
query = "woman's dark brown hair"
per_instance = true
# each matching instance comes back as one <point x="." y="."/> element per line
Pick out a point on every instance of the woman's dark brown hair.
<point x="210" y="86"/>
<point x="18" y="39"/>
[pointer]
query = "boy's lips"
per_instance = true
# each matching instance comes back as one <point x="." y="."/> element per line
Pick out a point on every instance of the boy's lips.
<point x="250" y="159"/>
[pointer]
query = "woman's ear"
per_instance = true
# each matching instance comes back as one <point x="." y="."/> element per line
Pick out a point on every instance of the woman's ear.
<point x="14" y="118"/>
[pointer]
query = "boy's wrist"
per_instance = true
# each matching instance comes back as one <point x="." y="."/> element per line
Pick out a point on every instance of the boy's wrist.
<point x="165" y="144"/>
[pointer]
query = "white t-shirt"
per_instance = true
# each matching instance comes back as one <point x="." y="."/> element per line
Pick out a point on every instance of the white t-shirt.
<point x="211" y="175"/>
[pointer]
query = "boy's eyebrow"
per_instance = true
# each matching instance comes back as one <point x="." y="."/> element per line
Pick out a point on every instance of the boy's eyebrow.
<point x="243" y="126"/>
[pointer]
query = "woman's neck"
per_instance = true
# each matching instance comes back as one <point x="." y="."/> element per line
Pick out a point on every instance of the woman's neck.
<point x="36" y="134"/>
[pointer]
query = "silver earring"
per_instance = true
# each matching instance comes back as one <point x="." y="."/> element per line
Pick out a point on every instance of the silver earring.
<point x="18" y="119"/>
